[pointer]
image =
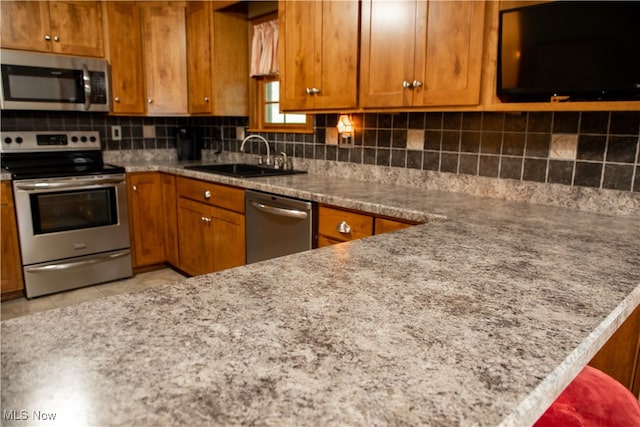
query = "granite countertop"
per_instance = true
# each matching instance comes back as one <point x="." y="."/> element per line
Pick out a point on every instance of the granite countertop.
<point x="480" y="316"/>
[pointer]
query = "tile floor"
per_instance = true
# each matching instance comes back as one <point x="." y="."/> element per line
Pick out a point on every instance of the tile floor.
<point x="22" y="306"/>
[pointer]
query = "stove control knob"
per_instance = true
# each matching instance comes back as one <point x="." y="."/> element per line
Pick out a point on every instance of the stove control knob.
<point x="19" y="140"/>
<point x="92" y="138"/>
<point x="83" y="138"/>
<point x="8" y="140"/>
<point x="74" y="139"/>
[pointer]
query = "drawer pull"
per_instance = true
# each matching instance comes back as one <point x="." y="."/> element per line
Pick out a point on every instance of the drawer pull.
<point x="207" y="194"/>
<point x="343" y="228"/>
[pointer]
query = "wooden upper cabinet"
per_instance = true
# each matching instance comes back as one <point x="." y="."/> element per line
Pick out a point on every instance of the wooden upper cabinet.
<point x="421" y="54"/>
<point x="78" y="25"/>
<point x="66" y="27"/>
<point x="230" y="66"/>
<point x="199" y="57"/>
<point x="164" y="38"/>
<point x="218" y="63"/>
<point x="25" y="25"/>
<point x="318" y="54"/>
<point x="125" y="57"/>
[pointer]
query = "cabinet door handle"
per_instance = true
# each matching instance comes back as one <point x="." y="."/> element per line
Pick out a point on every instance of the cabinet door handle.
<point x="207" y="194"/>
<point x="205" y="220"/>
<point x="206" y="99"/>
<point x="47" y="37"/>
<point x="56" y="38"/>
<point x="117" y="99"/>
<point x="406" y="84"/>
<point x="416" y="83"/>
<point x="149" y="101"/>
<point x="135" y="188"/>
<point x="343" y="228"/>
<point x="312" y="91"/>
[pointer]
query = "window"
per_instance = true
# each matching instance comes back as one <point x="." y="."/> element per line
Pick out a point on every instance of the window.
<point x="267" y="116"/>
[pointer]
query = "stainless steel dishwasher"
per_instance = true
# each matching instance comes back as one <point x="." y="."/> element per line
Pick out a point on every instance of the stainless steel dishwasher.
<point x="278" y="225"/>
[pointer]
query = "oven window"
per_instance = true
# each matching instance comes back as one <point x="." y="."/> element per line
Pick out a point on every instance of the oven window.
<point x="73" y="210"/>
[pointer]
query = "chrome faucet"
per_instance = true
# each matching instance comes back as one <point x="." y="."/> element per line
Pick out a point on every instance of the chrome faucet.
<point x="266" y="143"/>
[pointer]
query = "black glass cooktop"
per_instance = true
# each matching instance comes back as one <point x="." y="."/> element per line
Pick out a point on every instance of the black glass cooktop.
<point x="50" y="165"/>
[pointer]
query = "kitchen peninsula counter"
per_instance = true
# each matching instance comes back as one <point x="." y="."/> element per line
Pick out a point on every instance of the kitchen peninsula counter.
<point x="480" y="316"/>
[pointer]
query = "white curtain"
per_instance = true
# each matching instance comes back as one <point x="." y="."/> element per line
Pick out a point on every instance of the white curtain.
<point x="264" y="49"/>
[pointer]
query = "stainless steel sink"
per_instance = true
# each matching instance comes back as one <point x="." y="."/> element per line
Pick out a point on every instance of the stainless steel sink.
<point x="243" y="170"/>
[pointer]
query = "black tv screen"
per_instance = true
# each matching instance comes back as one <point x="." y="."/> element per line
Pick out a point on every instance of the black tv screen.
<point x="577" y="51"/>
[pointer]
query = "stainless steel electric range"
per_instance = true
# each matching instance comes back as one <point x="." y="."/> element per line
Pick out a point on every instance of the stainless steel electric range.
<point x="71" y="210"/>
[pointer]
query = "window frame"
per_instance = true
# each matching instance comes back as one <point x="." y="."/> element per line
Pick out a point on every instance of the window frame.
<point x="257" y="120"/>
<point x="258" y="102"/>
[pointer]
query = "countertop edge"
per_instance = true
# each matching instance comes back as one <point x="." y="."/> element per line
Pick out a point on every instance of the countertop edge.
<point x="537" y="402"/>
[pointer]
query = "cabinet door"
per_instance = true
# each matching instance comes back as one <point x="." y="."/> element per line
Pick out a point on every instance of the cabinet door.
<point x="619" y="356"/>
<point x="387" y="52"/>
<point x="320" y="52"/>
<point x="195" y="238"/>
<point x="199" y="57"/>
<point x="125" y="57"/>
<point x="230" y="81"/>
<point x="449" y="54"/>
<point x="11" y="264"/>
<point x="298" y="53"/>
<point x="146" y="218"/>
<point x="165" y="59"/>
<point x="25" y="25"/>
<point x="336" y="74"/>
<point x="228" y="239"/>
<point x="76" y="27"/>
<point x="171" y="219"/>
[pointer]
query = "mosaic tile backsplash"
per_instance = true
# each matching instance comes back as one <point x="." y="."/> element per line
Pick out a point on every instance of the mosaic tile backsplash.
<point x="588" y="149"/>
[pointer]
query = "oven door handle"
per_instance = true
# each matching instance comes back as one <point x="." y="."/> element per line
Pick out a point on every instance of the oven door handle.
<point x="76" y="264"/>
<point x="76" y="184"/>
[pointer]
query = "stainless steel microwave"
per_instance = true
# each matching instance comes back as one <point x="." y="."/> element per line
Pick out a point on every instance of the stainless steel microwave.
<point x="42" y="81"/>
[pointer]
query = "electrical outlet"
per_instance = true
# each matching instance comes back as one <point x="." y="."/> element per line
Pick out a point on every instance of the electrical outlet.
<point x="239" y="133"/>
<point x="116" y="133"/>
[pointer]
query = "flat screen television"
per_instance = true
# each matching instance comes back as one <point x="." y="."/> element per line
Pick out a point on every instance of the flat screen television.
<point x="575" y="51"/>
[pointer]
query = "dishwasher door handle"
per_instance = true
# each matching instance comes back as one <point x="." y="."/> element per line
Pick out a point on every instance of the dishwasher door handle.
<point x="290" y="213"/>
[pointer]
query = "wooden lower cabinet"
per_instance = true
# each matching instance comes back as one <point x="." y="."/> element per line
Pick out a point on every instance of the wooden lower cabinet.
<point x="147" y="218"/>
<point x="12" y="282"/>
<point x="168" y="183"/>
<point x="620" y="356"/>
<point x="211" y="226"/>
<point x="386" y="225"/>
<point x="336" y="225"/>
<point x="339" y="225"/>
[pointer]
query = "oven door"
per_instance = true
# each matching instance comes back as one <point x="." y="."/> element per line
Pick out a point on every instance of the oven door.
<point x="61" y="218"/>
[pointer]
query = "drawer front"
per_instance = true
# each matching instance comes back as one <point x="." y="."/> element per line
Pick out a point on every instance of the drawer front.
<point x="353" y="225"/>
<point x="384" y="225"/>
<point x="223" y="196"/>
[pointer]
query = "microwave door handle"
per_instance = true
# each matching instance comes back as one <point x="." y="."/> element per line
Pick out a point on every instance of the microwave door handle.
<point x="86" y="78"/>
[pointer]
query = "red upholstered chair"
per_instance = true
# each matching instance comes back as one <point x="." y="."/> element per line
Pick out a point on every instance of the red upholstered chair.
<point x="592" y="399"/>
